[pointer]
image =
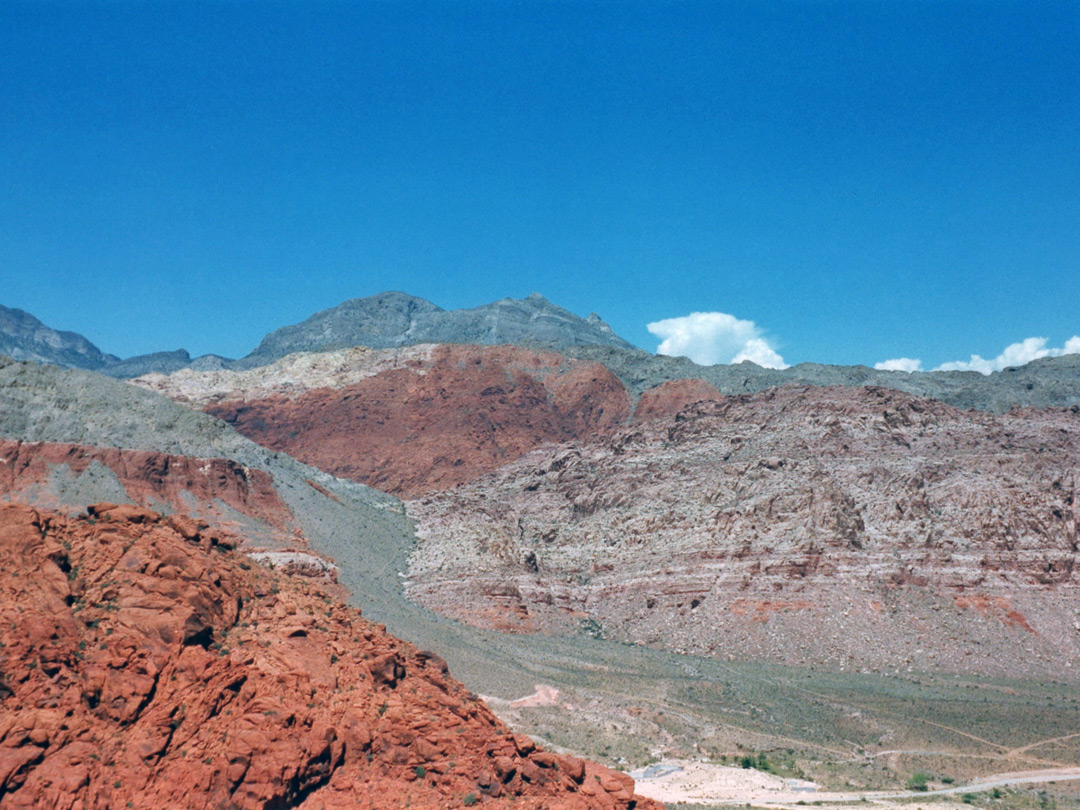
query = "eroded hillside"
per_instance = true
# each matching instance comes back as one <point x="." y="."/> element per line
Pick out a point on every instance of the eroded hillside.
<point x="848" y="527"/>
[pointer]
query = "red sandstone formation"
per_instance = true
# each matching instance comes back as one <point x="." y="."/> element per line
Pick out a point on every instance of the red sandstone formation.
<point x="436" y="422"/>
<point x="144" y="664"/>
<point x="148" y="478"/>
<point x="668" y="398"/>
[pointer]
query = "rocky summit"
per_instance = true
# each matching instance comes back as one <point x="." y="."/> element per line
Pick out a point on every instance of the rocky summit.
<point x="24" y="337"/>
<point x="396" y="319"/>
<point x="147" y="664"/>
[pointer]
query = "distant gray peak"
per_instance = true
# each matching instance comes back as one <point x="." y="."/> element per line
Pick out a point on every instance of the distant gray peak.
<point x="393" y="319"/>
<point x="24" y="337"/>
<point x="163" y="363"/>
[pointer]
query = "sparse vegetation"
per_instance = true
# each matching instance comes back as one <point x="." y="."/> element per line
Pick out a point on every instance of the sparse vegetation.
<point x="591" y="628"/>
<point x="918" y="781"/>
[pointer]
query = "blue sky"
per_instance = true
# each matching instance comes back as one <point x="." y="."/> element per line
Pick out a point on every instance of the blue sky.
<point x="861" y="180"/>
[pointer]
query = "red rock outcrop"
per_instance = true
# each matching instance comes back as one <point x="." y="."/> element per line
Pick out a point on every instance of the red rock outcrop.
<point x="148" y="478"/>
<point x="919" y="535"/>
<point x="668" y="398"/>
<point x="144" y="664"/>
<point x="439" y="419"/>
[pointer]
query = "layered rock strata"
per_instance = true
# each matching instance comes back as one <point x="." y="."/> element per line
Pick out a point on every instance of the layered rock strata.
<point x="41" y="472"/>
<point x="856" y="528"/>
<point x="408" y="421"/>
<point x="145" y="664"/>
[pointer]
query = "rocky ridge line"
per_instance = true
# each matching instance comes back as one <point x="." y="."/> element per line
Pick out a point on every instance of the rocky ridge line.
<point x="393" y="319"/>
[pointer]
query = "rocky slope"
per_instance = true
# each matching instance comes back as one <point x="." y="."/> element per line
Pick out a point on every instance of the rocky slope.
<point x="859" y="528"/>
<point x="220" y="491"/>
<point x="79" y="437"/>
<point x="147" y="665"/>
<point x="364" y="532"/>
<point x="408" y="421"/>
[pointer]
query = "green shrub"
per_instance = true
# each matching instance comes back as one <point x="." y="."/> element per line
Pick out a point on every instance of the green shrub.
<point x="470" y="799"/>
<point x="918" y="781"/>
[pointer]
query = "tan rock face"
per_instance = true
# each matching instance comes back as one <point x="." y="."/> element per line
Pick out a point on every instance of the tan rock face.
<point x="290" y="376"/>
<point x="438" y="418"/>
<point x="147" y="665"/>
<point x="856" y="528"/>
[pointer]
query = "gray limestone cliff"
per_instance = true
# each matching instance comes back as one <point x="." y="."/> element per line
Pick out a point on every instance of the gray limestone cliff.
<point x="394" y="319"/>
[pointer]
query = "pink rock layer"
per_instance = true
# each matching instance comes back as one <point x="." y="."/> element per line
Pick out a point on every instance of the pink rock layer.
<point x="847" y="527"/>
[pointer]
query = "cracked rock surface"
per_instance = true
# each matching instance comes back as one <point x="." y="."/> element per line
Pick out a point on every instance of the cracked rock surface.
<point x="145" y="663"/>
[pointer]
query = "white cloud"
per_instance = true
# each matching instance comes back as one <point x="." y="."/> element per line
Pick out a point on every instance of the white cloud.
<point x="714" y="337"/>
<point x="900" y="364"/>
<point x="1015" y="354"/>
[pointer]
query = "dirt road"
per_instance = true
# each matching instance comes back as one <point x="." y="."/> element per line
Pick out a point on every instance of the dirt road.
<point x="706" y="783"/>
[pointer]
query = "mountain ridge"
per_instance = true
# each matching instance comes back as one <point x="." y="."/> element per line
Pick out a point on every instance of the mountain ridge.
<point x="24" y="337"/>
<point x="397" y="320"/>
<point x="394" y="319"/>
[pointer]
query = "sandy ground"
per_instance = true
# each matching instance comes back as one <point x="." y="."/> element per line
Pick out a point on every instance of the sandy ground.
<point x="705" y="783"/>
<point x="674" y="780"/>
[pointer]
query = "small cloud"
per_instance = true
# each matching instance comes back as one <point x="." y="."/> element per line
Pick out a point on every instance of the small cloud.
<point x="1016" y="354"/>
<point x="900" y="364"/>
<point x="708" y="338"/>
